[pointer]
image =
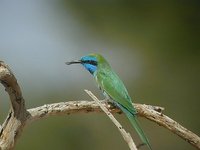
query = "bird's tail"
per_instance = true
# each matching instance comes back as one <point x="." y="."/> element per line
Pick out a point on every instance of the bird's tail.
<point x="136" y="125"/>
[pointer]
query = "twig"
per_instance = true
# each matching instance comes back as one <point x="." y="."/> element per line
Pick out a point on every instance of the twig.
<point x="127" y="137"/>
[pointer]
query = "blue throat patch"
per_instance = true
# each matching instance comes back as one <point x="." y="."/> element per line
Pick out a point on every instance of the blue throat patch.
<point x="90" y="67"/>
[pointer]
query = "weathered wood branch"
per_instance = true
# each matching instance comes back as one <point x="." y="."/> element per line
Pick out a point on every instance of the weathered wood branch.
<point x="150" y="112"/>
<point x="19" y="116"/>
<point x="15" y="121"/>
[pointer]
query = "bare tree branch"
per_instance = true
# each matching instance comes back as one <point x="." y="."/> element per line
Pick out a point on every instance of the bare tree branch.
<point x="72" y="107"/>
<point x="152" y="113"/>
<point x="127" y="137"/>
<point x="18" y="116"/>
<point x="13" y="125"/>
<point x="170" y="124"/>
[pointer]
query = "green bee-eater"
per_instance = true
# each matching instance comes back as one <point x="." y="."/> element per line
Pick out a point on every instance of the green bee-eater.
<point x="113" y="87"/>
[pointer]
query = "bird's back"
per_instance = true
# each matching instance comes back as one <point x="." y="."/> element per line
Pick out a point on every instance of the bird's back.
<point x="114" y="87"/>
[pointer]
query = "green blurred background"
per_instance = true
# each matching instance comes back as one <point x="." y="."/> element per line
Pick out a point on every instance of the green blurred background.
<point x="154" y="46"/>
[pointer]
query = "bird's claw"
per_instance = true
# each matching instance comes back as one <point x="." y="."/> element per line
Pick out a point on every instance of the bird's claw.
<point x="140" y="145"/>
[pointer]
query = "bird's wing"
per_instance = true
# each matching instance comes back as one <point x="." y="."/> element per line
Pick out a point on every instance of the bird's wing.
<point x="114" y="87"/>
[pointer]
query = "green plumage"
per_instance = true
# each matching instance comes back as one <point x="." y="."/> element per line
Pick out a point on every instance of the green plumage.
<point x="112" y="86"/>
<point x="110" y="83"/>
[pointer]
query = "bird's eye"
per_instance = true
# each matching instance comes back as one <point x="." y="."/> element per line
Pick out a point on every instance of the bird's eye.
<point x="92" y="62"/>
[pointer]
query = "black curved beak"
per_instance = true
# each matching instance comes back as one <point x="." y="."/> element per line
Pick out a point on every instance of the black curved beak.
<point x="73" y="62"/>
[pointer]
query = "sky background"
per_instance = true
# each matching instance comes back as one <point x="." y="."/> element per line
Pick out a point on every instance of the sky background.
<point x="153" y="46"/>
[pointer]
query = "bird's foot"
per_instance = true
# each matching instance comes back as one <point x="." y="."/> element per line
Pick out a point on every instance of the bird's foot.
<point x="108" y="102"/>
<point x="113" y="105"/>
<point x="140" y="145"/>
<point x="136" y="113"/>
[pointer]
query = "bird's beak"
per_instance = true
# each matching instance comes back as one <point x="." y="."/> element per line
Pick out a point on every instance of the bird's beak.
<point x="73" y="62"/>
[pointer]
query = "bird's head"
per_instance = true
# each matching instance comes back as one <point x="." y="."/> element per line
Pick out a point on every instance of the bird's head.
<point x="91" y="62"/>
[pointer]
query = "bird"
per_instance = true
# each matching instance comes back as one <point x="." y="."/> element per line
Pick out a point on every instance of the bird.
<point x="113" y="88"/>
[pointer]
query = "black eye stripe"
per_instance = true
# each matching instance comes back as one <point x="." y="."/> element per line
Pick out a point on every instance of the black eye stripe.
<point x="92" y="62"/>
